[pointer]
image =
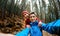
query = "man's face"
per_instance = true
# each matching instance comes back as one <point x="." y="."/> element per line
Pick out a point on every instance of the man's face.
<point x="32" y="17"/>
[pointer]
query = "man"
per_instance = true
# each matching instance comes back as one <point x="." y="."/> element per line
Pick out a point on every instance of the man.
<point x="34" y="28"/>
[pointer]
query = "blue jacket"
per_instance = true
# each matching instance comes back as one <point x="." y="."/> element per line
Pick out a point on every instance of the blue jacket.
<point x="34" y="29"/>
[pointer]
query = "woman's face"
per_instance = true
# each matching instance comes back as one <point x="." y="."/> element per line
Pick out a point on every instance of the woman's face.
<point x="32" y="17"/>
<point x="26" y="15"/>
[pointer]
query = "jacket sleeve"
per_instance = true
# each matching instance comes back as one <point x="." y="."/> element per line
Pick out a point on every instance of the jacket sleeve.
<point x="53" y="27"/>
<point x="24" y="32"/>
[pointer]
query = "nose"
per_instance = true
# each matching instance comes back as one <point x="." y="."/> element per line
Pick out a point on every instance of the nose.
<point x="32" y="18"/>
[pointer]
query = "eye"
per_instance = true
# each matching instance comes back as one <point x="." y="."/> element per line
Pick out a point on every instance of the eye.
<point x="33" y="16"/>
<point x="24" y="14"/>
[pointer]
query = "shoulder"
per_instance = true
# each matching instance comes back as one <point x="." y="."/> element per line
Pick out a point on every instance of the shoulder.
<point x="38" y="20"/>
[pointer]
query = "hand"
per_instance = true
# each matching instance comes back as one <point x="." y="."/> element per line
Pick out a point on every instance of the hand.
<point x="28" y="26"/>
<point x="40" y="23"/>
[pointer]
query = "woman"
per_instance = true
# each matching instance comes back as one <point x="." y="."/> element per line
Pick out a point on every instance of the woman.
<point x="26" y="20"/>
<point x="26" y="24"/>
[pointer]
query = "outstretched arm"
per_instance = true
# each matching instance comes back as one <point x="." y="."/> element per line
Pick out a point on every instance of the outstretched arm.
<point x="24" y="32"/>
<point x="53" y="27"/>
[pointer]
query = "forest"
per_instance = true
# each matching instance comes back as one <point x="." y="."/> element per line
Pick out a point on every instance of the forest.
<point x="10" y="12"/>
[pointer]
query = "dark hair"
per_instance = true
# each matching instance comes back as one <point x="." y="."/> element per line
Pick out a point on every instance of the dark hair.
<point x="33" y="13"/>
